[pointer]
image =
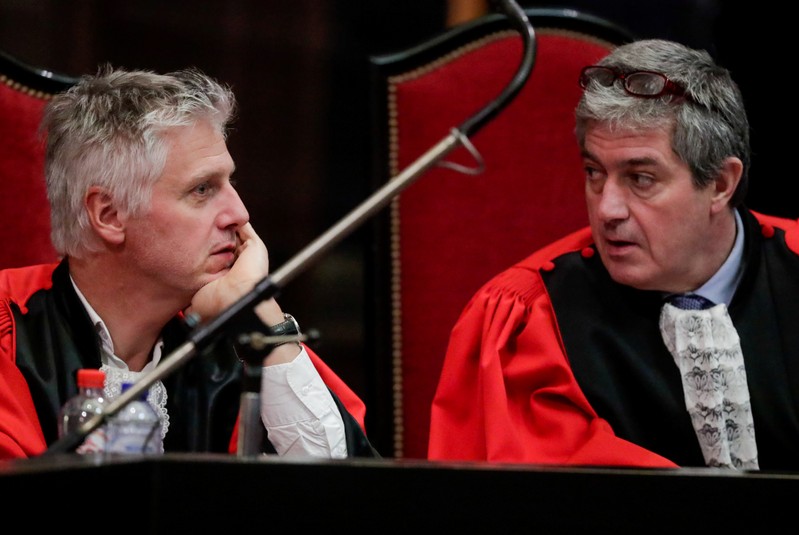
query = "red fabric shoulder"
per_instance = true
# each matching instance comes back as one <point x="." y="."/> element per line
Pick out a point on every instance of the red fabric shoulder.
<point x="18" y="284"/>
<point x="518" y="281"/>
<point x="790" y="226"/>
<point x="576" y="241"/>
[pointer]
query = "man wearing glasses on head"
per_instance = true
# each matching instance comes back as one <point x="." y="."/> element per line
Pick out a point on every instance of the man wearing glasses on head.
<point x="665" y="333"/>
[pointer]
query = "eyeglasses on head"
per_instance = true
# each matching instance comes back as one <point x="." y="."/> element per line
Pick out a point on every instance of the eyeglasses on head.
<point x="646" y="84"/>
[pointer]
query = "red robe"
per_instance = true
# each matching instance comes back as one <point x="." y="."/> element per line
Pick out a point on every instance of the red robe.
<point x="508" y="391"/>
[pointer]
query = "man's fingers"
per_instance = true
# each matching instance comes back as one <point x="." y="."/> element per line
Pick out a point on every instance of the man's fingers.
<point x="245" y="232"/>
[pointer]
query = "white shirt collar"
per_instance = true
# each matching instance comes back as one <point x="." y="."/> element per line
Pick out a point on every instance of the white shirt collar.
<point x="107" y="355"/>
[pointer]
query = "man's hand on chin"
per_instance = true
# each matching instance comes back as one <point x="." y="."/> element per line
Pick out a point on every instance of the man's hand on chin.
<point x="249" y="268"/>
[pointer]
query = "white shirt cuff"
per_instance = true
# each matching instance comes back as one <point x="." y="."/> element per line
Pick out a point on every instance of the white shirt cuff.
<point x="299" y="412"/>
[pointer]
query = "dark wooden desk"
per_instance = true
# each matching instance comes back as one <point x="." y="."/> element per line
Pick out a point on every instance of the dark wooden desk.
<point x="204" y="493"/>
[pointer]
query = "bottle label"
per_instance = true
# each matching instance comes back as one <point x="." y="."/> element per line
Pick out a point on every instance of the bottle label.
<point x="128" y="438"/>
<point x="94" y="443"/>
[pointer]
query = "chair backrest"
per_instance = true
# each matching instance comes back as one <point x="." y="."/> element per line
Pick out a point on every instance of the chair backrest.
<point x="448" y="233"/>
<point x="24" y="210"/>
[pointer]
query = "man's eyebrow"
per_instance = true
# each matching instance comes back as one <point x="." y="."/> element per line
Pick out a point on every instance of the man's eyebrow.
<point x="208" y="174"/>
<point x="643" y="160"/>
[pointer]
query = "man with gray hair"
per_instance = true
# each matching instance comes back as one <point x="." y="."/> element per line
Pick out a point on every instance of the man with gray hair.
<point x="664" y="334"/>
<point x="152" y="232"/>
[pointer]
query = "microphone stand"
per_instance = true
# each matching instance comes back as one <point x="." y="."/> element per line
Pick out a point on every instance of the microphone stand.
<point x="268" y="287"/>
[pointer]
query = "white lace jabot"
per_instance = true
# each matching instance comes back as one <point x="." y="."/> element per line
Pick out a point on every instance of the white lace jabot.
<point x="707" y="350"/>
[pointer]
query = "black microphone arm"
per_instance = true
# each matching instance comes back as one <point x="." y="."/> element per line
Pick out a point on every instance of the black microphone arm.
<point x="204" y="334"/>
<point x="521" y="24"/>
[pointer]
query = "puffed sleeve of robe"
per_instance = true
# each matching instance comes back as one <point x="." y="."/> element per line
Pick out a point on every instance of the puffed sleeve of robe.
<point x="20" y="432"/>
<point x="507" y="393"/>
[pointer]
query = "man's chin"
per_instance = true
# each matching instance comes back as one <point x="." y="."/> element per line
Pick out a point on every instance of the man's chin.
<point x="634" y="278"/>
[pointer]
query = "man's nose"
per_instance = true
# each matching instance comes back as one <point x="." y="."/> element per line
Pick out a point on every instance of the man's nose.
<point x="612" y="203"/>
<point x="235" y="212"/>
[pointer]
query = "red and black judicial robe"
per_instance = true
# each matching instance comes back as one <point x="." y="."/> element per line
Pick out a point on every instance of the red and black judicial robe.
<point x="553" y="362"/>
<point x="46" y="335"/>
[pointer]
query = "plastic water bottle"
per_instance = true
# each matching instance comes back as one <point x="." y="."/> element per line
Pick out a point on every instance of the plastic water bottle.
<point x="136" y="428"/>
<point x="89" y="401"/>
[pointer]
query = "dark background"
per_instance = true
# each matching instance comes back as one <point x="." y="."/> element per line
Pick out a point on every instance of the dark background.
<point x="302" y="142"/>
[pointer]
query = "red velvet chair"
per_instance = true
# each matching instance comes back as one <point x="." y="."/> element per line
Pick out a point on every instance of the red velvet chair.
<point x="448" y="233"/>
<point x="24" y="211"/>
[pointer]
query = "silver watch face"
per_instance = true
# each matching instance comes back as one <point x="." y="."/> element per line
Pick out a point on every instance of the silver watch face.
<point x="294" y="322"/>
<point x="290" y="326"/>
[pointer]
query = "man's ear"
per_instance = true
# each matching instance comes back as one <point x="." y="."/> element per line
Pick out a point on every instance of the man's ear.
<point x="726" y="183"/>
<point x="104" y="217"/>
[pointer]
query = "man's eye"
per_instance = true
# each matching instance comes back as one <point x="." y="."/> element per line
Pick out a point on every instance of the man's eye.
<point x="642" y="181"/>
<point x="202" y="189"/>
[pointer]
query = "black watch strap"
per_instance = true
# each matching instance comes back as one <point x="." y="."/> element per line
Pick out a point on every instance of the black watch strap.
<point x="289" y="327"/>
<point x="251" y="349"/>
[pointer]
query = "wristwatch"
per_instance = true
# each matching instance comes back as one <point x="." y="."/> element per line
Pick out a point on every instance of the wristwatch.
<point x="251" y="346"/>
<point x="289" y="327"/>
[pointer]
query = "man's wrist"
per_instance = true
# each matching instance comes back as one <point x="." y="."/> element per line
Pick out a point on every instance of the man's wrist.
<point x="257" y="340"/>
